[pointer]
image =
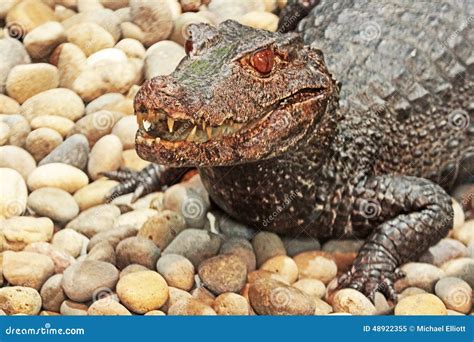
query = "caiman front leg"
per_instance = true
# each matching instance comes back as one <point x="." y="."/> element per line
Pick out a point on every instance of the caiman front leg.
<point x="154" y="177"/>
<point x="409" y="215"/>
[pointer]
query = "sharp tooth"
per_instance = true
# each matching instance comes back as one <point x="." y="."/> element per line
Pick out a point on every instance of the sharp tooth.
<point x="170" y="124"/>
<point x="192" y="134"/>
<point x="203" y="126"/>
<point x="209" y="132"/>
<point x="146" y="125"/>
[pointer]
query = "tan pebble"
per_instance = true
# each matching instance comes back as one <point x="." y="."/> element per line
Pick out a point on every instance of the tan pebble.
<point x="88" y="5"/>
<point x="421" y="275"/>
<point x="42" y="141"/>
<point x="42" y="40"/>
<point x="180" y="31"/>
<point x="137" y="250"/>
<point x="95" y="220"/>
<point x="4" y="133"/>
<point x="459" y="217"/>
<point x="175" y="295"/>
<point x="177" y="271"/>
<point x="190" y="307"/>
<point x="267" y="245"/>
<point x="106" y="56"/>
<point x="61" y="259"/>
<point x="233" y="9"/>
<point x="317" y="265"/>
<point x="58" y="123"/>
<point x="20" y="300"/>
<point x="231" y="304"/>
<point x="8" y="105"/>
<point x="106" y="18"/>
<point x="410" y="291"/>
<point x="107" y="307"/>
<point x="420" y="304"/>
<point x="132" y="48"/>
<point x="142" y="291"/>
<point x="126" y="129"/>
<point x="263" y="274"/>
<point x="69" y="241"/>
<point x="136" y="218"/>
<point x="223" y="273"/>
<point x="27" y="268"/>
<point x="70" y="60"/>
<point x="95" y="126"/>
<point x="163" y="228"/>
<point x="70" y="308"/>
<point x="132" y="161"/>
<point x="6" y="6"/>
<point x="153" y="18"/>
<point x="20" y="231"/>
<point x="155" y="313"/>
<point x="57" y="175"/>
<point x="29" y="14"/>
<point x="13" y="193"/>
<point x="54" y="203"/>
<point x="132" y="31"/>
<point x="282" y="265"/>
<point x="19" y="128"/>
<point x="353" y="302"/>
<point x="52" y="293"/>
<point x="313" y="287"/>
<point x="94" y="193"/>
<point x="260" y="20"/>
<point x="322" y="308"/>
<point x="16" y="158"/>
<point x="465" y="233"/>
<point x="105" y="156"/>
<point x="27" y="80"/>
<point x="104" y="102"/>
<point x="13" y="53"/>
<point x="62" y="13"/>
<point x="130" y="268"/>
<point x="455" y="293"/>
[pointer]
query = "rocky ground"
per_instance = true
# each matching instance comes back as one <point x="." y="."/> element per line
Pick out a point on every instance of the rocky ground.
<point x="69" y="70"/>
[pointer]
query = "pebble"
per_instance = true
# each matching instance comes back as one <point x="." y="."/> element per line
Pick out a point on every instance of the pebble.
<point x="103" y="251"/>
<point x="106" y="56"/>
<point x="94" y="193"/>
<point x="73" y="151"/>
<point x="421" y="275"/>
<point x="13" y="193"/>
<point x="83" y="280"/>
<point x="243" y="249"/>
<point x="60" y="124"/>
<point x="455" y="293"/>
<point x="342" y="246"/>
<point x="137" y="250"/>
<point x="70" y="308"/>
<point x="460" y="268"/>
<point x="142" y="291"/>
<point x="322" y="308"/>
<point x="194" y="244"/>
<point x="69" y="59"/>
<point x="263" y="274"/>
<point x="231" y="304"/>
<point x="105" y="102"/>
<point x="132" y="268"/>
<point x="27" y="268"/>
<point x="445" y="250"/>
<point x="57" y="175"/>
<point x="52" y="293"/>
<point x="190" y="307"/>
<point x="227" y="227"/>
<point x="223" y="273"/>
<point x="313" y="287"/>
<point x="61" y="259"/>
<point x="20" y="300"/>
<point x="459" y="216"/>
<point x="29" y="14"/>
<point x="162" y="228"/>
<point x="19" y="231"/>
<point x="177" y="271"/>
<point x="42" y="141"/>
<point x="69" y="241"/>
<point x="465" y="233"/>
<point x="203" y="295"/>
<point x="135" y="218"/>
<point x="95" y="220"/>
<point x="54" y="203"/>
<point x="95" y="126"/>
<point x="4" y="133"/>
<point x="297" y="245"/>
<point x="61" y="101"/>
<point x="233" y="9"/>
<point x="260" y="20"/>
<point x="13" y="53"/>
<point x="107" y="307"/>
<point x="132" y="161"/>
<point x="90" y="37"/>
<point x="187" y="201"/>
<point x="282" y="265"/>
<point x="317" y="265"/>
<point x="43" y="39"/>
<point x="8" y="105"/>
<point x="106" y="18"/>
<point x="181" y="26"/>
<point x="470" y="249"/>
<point x="19" y="128"/>
<point x="174" y="295"/>
<point x="125" y="129"/>
<point x="353" y="302"/>
<point x="155" y="313"/>
<point x="271" y="297"/>
<point x="420" y="304"/>
<point x="132" y="48"/>
<point x="267" y="245"/>
<point x="112" y="236"/>
<point x="105" y="156"/>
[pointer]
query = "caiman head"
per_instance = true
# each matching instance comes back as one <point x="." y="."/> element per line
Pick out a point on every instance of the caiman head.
<point x="240" y="95"/>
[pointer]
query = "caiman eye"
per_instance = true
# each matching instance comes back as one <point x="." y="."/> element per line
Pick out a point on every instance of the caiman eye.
<point x="188" y="46"/>
<point x="263" y="61"/>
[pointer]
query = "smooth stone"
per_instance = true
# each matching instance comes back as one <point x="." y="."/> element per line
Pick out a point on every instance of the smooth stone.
<point x="282" y="265"/>
<point x="16" y="158"/>
<point x="227" y="227"/>
<point x="460" y="268"/>
<point x="103" y="251"/>
<point x="233" y="9"/>
<point x="57" y="175"/>
<point x="83" y="280"/>
<point x="70" y="60"/>
<point x="61" y="101"/>
<point x="42" y="40"/>
<point x="125" y="129"/>
<point x="95" y="220"/>
<point x="263" y="274"/>
<point x="267" y="245"/>
<point x="8" y="105"/>
<point x="61" y="259"/>
<point x="142" y="291"/>
<point x="73" y="151"/>
<point x="459" y="217"/>
<point x="112" y="236"/>
<point x="106" y="56"/>
<point x="297" y="245"/>
<point x="420" y="304"/>
<point x="137" y="250"/>
<point x="260" y="20"/>
<point x="4" y="133"/>
<point x="135" y="218"/>
<point x="105" y="102"/>
<point x="455" y="293"/>
<point x="19" y="231"/>
<point x="132" y="48"/>
<point x="90" y="37"/>
<point x="353" y="302"/>
<point x="194" y="244"/>
<point x="271" y="297"/>
<point x="228" y="304"/>
<point x="60" y="124"/>
<point x="106" y="18"/>
<point x="313" y="287"/>
<point x="105" y="156"/>
<point x="445" y="250"/>
<point x="465" y="233"/>
<point x="317" y="265"/>
<point x="223" y="273"/>
<point x="13" y="53"/>
<point x="27" y="268"/>
<point x="177" y="271"/>
<point x="20" y="300"/>
<point x="162" y="228"/>
<point x="94" y="193"/>
<point x="132" y="268"/>
<point x="54" y="203"/>
<point x="189" y="202"/>
<point x="132" y="161"/>
<point x="421" y="275"/>
<point x="190" y="307"/>
<point x="174" y="295"/>
<point x="95" y="126"/>
<point x="52" y="293"/>
<point x="153" y="18"/>
<point x="70" y="308"/>
<point x="342" y="246"/>
<point x="322" y="308"/>
<point x="29" y="14"/>
<point x="181" y="26"/>
<point x="470" y="248"/>
<point x="155" y="313"/>
<point x="243" y="249"/>
<point x="202" y="294"/>
<point x="69" y="241"/>
<point x="107" y="307"/>
<point x="13" y="193"/>
<point x="42" y="141"/>
<point x="19" y="128"/>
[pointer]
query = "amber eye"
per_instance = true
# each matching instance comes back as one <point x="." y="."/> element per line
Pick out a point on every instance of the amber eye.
<point x="263" y="61"/>
<point x="188" y="46"/>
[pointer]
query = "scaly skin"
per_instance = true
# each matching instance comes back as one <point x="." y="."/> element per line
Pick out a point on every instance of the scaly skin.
<point x="373" y="159"/>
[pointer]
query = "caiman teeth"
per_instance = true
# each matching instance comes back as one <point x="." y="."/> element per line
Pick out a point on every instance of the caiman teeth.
<point x="191" y="135"/>
<point x="146" y="125"/>
<point x="170" y="122"/>
<point x="209" y="132"/>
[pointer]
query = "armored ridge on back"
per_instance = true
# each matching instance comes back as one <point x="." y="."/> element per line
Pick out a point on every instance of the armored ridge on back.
<point x="270" y="130"/>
